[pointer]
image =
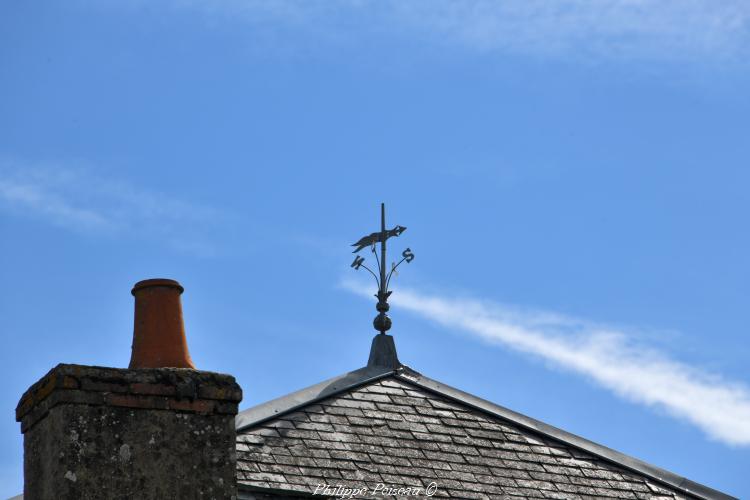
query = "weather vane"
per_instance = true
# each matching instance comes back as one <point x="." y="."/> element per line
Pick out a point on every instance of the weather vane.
<point x="382" y="322"/>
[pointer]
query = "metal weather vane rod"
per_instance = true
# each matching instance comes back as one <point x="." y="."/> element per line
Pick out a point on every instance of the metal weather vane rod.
<point x="382" y="322"/>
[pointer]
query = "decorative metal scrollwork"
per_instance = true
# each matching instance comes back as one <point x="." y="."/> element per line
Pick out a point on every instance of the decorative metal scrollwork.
<point x="382" y="322"/>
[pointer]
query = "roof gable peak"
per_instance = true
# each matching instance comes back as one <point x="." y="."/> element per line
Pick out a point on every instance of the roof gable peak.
<point x="383" y="353"/>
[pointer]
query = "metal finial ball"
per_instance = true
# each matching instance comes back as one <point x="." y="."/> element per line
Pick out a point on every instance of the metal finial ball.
<point x="382" y="322"/>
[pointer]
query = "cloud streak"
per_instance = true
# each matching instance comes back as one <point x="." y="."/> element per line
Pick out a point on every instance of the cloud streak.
<point x="675" y="30"/>
<point x="34" y="198"/>
<point x="607" y="356"/>
<point x="602" y="29"/>
<point x="77" y="199"/>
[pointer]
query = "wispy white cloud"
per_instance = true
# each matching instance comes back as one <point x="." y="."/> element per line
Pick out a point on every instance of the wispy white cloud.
<point x="33" y="198"/>
<point x="664" y="29"/>
<point x="582" y="29"/>
<point x="80" y="200"/>
<point x="610" y="357"/>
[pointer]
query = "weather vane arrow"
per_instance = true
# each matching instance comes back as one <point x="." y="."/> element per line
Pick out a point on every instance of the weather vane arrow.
<point x="382" y="322"/>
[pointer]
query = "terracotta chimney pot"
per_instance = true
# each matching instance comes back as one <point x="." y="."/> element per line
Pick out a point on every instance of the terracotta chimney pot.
<point x="158" y="330"/>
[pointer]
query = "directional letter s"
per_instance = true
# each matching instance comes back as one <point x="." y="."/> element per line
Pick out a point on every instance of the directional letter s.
<point x="408" y="255"/>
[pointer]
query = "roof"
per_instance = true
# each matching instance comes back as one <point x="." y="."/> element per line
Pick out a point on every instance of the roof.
<point x="386" y="423"/>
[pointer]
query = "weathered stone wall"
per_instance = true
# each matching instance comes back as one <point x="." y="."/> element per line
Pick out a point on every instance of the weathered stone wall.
<point x="105" y="433"/>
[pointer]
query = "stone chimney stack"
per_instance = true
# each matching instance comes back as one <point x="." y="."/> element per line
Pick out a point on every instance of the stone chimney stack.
<point x="158" y="430"/>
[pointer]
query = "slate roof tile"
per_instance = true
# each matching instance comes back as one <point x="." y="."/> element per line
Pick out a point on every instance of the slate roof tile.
<point x="392" y="432"/>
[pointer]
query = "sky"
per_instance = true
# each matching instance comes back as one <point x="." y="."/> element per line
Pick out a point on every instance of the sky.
<point x="572" y="175"/>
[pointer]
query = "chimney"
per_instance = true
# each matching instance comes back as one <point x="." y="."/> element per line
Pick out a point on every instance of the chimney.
<point x="157" y="430"/>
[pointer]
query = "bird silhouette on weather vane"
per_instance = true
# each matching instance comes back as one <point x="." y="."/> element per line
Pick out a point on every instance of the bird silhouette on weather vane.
<point x="382" y="322"/>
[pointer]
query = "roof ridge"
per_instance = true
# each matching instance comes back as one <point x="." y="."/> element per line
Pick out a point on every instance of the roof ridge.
<point x="608" y="454"/>
<point x="383" y="362"/>
<point x="303" y="397"/>
<point x="280" y="406"/>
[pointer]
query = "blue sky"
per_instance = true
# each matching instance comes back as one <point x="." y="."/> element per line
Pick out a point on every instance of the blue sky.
<point x="573" y="176"/>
